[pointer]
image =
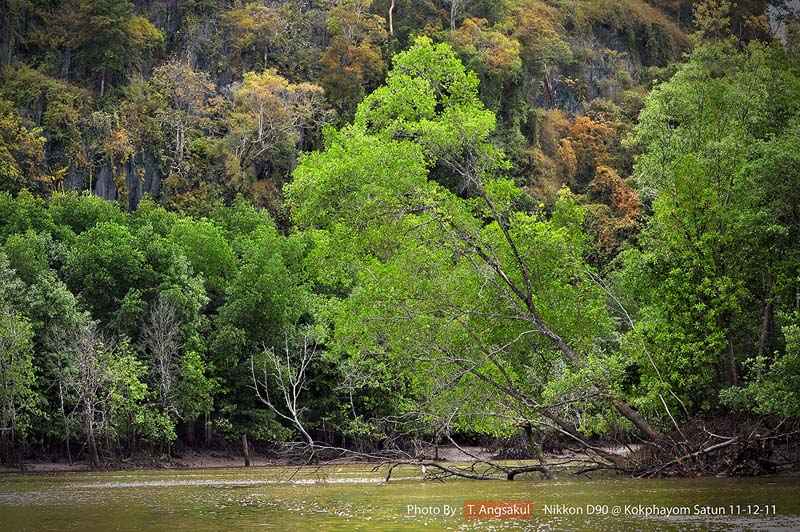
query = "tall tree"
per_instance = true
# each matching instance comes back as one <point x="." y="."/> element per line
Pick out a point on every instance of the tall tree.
<point x="352" y="63"/>
<point x="162" y="338"/>
<point x="108" y="39"/>
<point x="89" y="382"/>
<point x="427" y="117"/>
<point x="269" y="113"/>
<point x="718" y="246"/>
<point x="18" y="396"/>
<point x="192" y="108"/>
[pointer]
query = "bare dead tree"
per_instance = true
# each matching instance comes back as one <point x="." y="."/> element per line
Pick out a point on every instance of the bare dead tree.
<point x="60" y="365"/>
<point x="89" y="382"/>
<point x="163" y="338"/>
<point x="281" y="378"/>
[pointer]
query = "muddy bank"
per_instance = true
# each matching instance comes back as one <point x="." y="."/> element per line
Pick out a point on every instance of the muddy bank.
<point x="187" y="460"/>
<point x="210" y="459"/>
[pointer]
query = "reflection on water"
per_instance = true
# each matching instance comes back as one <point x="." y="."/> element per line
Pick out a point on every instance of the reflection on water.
<point x="356" y="498"/>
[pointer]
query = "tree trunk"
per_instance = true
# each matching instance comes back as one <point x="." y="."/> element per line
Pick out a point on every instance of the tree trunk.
<point x="133" y="442"/>
<point x="634" y="417"/>
<point x="131" y="436"/>
<point x="732" y="361"/>
<point x="8" y="38"/>
<point x="66" y="63"/>
<point x="248" y="461"/>
<point x="5" y="455"/>
<point x="764" y="342"/>
<point x="391" y="23"/>
<point x="527" y="430"/>
<point x="550" y="94"/>
<point x="94" y="457"/>
<point x="190" y="433"/>
<point x="64" y="419"/>
<point x="623" y="407"/>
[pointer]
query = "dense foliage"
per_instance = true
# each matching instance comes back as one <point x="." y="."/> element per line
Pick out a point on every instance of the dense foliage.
<point x="366" y="223"/>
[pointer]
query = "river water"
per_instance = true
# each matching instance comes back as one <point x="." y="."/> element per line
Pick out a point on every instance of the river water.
<point x="356" y="498"/>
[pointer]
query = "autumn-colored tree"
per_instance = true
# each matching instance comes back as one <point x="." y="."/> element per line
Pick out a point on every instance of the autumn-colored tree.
<point x="62" y="111"/>
<point x="545" y="130"/>
<point x="551" y="126"/>
<point x="352" y="63"/>
<point x="538" y="28"/>
<point x="613" y="212"/>
<point x="189" y="120"/>
<point x="255" y="31"/>
<point x="268" y="113"/>
<point x="497" y="54"/>
<point x="609" y="187"/>
<point x="586" y="147"/>
<point x="141" y="105"/>
<point x="712" y="19"/>
<point x="21" y="150"/>
<point x="743" y="20"/>
<point x="493" y="55"/>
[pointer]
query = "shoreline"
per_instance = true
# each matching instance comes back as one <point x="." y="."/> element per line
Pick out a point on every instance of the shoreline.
<point x="197" y="460"/>
<point x="224" y="460"/>
<point x="187" y="460"/>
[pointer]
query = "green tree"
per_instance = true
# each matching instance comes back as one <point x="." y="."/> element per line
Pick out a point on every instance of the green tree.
<point x="487" y="290"/>
<point x="108" y="39"/>
<point x="27" y="254"/>
<point x="18" y="395"/>
<point x="77" y="213"/>
<point x="773" y="390"/>
<point x="717" y="252"/>
<point x="23" y="213"/>
<point x="195" y="391"/>
<point x="110" y="396"/>
<point x="265" y="298"/>
<point x="106" y="268"/>
<point x="209" y="253"/>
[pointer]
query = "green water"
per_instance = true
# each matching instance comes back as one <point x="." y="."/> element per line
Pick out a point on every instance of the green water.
<point x="356" y="498"/>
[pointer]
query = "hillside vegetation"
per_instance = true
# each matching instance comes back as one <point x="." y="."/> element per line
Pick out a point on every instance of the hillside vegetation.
<point x="370" y="226"/>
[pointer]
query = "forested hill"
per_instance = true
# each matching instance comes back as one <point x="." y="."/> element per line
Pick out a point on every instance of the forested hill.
<point x="166" y="98"/>
<point x="373" y="224"/>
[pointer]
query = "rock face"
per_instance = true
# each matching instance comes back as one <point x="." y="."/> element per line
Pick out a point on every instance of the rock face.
<point x="73" y="180"/>
<point x="141" y="176"/>
<point x="104" y="185"/>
